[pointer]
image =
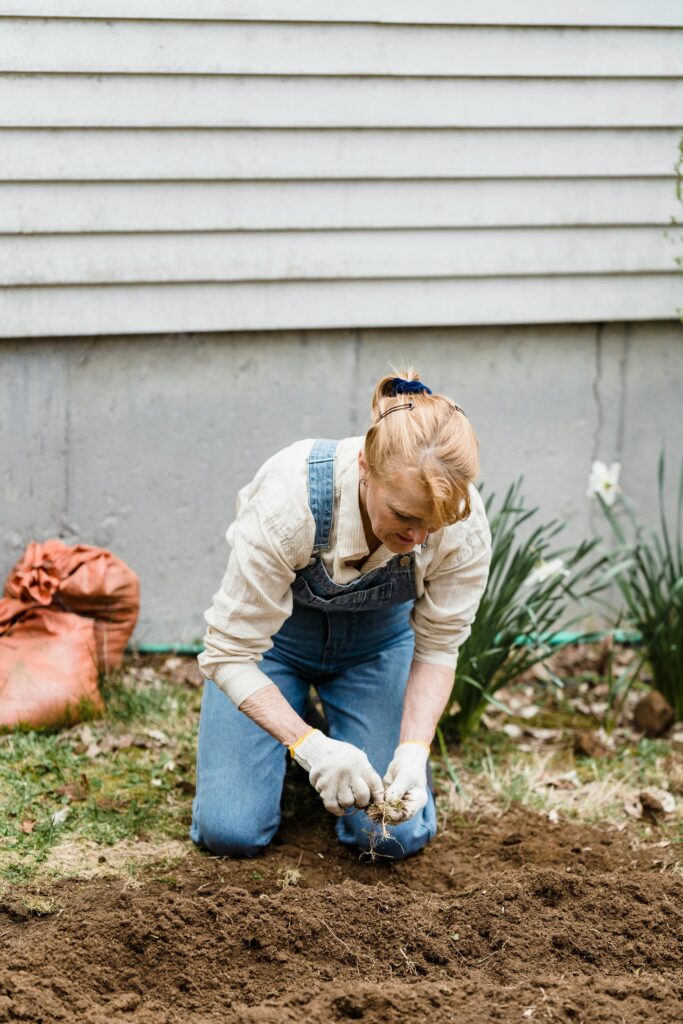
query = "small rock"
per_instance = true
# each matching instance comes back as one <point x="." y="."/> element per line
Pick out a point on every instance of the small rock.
<point x="588" y="744"/>
<point x="657" y="801"/>
<point x="653" y="714"/>
<point x="512" y="840"/>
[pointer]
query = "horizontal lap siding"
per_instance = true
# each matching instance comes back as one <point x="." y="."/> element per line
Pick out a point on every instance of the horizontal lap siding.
<point x="184" y="101"/>
<point x="439" y="12"/>
<point x="365" y="50"/>
<point x="229" y="166"/>
<point x="34" y="208"/>
<point x="277" y="155"/>
<point x="332" y="255"/>
<point x="205" y="307"/>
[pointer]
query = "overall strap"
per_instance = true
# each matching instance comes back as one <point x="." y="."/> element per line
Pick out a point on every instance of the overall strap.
<point x="321" y="490"/>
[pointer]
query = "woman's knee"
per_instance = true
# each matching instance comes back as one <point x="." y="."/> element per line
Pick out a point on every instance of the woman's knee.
<point x="229" y="835"/>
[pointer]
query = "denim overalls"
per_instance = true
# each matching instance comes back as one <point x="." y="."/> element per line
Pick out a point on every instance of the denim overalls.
<point x="354" y="643"/>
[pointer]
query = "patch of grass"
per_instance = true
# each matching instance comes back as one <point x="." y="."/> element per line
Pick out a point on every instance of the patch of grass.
<point x="124" y="777"/>
<point x="496" y="776"/>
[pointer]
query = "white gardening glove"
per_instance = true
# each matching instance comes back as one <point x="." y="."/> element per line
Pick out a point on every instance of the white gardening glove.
<point x="406" y="780"/>
<point x="340" y="772"/>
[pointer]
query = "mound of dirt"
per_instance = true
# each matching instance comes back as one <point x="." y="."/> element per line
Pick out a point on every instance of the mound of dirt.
<point x="502" y="920"/>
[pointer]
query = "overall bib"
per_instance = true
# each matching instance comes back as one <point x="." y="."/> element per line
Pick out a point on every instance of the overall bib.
<point x="354" y="644"/>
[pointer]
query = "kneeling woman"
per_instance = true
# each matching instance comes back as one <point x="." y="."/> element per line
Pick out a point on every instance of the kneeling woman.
<point x="356" y="567"/>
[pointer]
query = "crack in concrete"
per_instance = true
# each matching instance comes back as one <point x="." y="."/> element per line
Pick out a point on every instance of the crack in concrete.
<point x="621" y="406"/>
<point x="599" y="414"/>
<point x="597" y="380"/>
<point x="357" y="344"/>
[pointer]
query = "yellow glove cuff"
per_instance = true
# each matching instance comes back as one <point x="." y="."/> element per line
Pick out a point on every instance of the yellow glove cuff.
<point x="298" y="742"/>
<point x="420" y="743"/>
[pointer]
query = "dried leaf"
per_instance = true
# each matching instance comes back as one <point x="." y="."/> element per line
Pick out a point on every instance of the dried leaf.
<point x="73" y="791"/>
<point x="530" y="711"/>
<point x="106" y="803"/>
<point x="513" y="731"/>
<point x="588" y="744"/>
<point x="541" y="734"/>
<point x="184" y="670"/>
<point x="27" y="826"/>
<point x="158" y="735"/>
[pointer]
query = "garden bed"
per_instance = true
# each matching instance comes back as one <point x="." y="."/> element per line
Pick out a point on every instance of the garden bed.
<point x="541" y="898"/>
<point x="501" y="919"/>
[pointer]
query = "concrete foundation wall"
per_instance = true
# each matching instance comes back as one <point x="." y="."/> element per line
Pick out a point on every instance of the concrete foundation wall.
<point x="140" y="444"/>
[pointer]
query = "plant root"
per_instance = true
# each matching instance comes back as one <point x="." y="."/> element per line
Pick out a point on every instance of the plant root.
<point x="381" y="814"/>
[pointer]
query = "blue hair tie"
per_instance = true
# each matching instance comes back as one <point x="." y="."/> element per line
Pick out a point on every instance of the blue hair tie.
<point x="409" y="387"/>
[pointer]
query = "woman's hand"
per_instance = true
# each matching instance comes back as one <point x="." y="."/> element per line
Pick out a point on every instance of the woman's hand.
<point x="406" y="781"/>
<point x="340" y="772"/>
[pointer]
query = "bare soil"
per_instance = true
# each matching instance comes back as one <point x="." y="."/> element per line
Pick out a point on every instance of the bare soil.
<point x="499" y="919"/>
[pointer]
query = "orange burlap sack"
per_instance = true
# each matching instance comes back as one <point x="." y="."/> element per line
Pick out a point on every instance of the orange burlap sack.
<point x="48" y="666"/>
<point x="86" y="581"/>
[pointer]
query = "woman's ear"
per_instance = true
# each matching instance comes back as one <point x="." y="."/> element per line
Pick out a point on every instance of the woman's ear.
<point x="362" y="464"/>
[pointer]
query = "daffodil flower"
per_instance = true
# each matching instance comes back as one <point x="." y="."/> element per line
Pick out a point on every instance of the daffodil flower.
<point x="544" y="571"/>
<point x="604" y="480"/>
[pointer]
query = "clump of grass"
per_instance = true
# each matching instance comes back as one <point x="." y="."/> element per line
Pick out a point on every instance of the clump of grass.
<point x="383" y="815"/>
<point x="289" y="877"/>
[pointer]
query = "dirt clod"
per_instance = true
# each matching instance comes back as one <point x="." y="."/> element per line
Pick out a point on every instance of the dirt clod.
<point x="653" y="714"/>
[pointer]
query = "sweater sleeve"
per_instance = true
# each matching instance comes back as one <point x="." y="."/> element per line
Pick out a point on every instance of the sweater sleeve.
<point x="442" y="617"/>
<point x="271" y="537"/>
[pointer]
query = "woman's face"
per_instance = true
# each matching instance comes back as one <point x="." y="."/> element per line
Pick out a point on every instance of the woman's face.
<point x="399" y="511"/>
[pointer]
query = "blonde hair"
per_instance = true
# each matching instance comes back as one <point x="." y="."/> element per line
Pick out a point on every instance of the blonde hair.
<point x="430" y="435"/>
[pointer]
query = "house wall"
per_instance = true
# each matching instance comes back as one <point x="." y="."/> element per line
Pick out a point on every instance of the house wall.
<point x="140" y="443"/>
<point x="169" y="166"/>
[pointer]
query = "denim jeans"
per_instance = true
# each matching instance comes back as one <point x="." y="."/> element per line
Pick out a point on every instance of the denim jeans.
<point x="359" y="665"/>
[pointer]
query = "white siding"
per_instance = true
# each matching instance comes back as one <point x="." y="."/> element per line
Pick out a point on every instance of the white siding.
<point x="230" y="165"/>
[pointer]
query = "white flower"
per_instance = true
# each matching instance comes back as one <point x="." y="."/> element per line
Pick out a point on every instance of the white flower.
<point x="59" y="817"/>
<point x="544" y="571"/>
<point x="604" y="481"/>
